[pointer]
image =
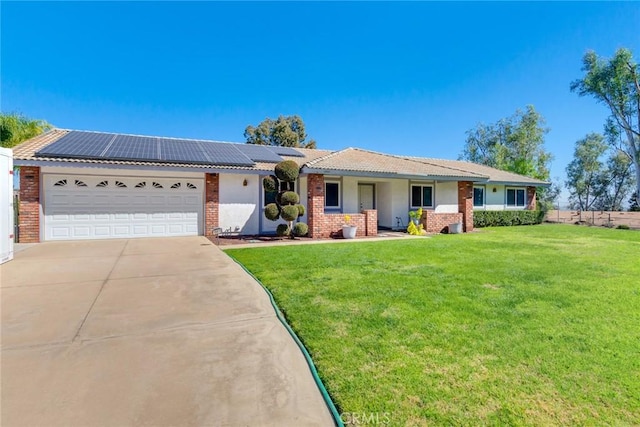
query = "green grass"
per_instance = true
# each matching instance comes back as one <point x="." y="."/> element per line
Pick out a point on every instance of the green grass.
<point x="532" y="325"/>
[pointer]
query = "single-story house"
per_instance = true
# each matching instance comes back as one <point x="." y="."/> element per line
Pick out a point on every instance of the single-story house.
<point x="95" y="185"/>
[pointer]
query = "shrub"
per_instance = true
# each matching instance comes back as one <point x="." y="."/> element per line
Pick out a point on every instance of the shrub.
<point x="272" y="212"/>
<point x="289" y="212"/>
<point x="282" y="230"/>
<point x="300" y="211"/>
<point x="289" y="198"/>
<point x="300" y="229"/>
<point x="287" y="170"/>
<point x="270" y="184"/>
<point x="506" y="218"/>
<point x="623" y="227"/>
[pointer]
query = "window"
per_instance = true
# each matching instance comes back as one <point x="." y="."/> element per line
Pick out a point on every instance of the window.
<point x="478" y="196"/>
<point x="61" y="183"/>
<point x="515" y="197"/>
<point x="421" y="196"/>
<point x="332" y="195"/>
<point x="284" y="186"/>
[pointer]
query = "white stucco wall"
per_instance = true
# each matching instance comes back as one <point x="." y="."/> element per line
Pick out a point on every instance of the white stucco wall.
<point x="446" y="200"/>
<point x="496" y="201"/>
<point x="239" y="208"/>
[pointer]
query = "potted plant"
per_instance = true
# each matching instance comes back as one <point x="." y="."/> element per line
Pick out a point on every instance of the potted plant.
<point x="348" y="230"/>
<point x="415" y="216"/>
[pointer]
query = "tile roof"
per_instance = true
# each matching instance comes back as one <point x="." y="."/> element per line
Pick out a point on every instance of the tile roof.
<point x="365" y="161"/>
<point x="353" y="161"/>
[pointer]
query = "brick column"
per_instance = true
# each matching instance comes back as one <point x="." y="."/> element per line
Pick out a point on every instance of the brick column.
<point x="465" y="204"/>
<point x="211" y="203"/>
<point x="531" y="198"/>
<point x="29" y="210"/>
<point x="371" y="222"/>
<point x="315" y="205"/>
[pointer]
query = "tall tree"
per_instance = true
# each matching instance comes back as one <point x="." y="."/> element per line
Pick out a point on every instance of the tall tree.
<point x="285" y="131"/>
<point x="595" y="181"/>
<point x="514" y="144"/>
<point x="615" y="82"/>
<point x="16" y="128"/>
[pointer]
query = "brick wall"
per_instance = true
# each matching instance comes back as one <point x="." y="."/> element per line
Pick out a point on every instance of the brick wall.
<point x="439" y="222"/>
<point x="211" y="203"/>
<point x="322" y="225"/>
<point x="465" y="204"/>
<point x="29" y="210"/>
<point x="531" y="198"/>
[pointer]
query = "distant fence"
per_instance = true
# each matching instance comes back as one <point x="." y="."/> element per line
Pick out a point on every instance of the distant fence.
<point x="599" y="218"/>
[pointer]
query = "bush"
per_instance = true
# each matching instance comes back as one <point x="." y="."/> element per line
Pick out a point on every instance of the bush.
<point x="289" y="198"/>
<point x="506" y="218"/>
<point x="287" y="170"/>
<point x="289" y="212"/>
<point x="270" y="184"/>
<point x="300" y="229"/>
<point x="623" y="227"/>
<point x="272" y="212"/>
<point x="300" y="211"/>
<point x="282" y="230"/>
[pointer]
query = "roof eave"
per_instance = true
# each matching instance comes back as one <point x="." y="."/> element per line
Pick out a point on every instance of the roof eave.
<point x="372" y="174"/>
<point x="521" y="183"/>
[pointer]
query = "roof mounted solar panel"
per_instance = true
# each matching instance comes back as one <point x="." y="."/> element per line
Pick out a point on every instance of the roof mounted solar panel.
<point x="129" y="147"/>
<point x="183" y="151"/>
<point x="284" y="151"/>
<point x="77" y="144"/>
<point x="259" y="153"/>
<point x="225" y="154"/>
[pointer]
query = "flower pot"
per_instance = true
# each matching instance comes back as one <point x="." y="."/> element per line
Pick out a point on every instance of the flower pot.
<point x="349" y="231"/>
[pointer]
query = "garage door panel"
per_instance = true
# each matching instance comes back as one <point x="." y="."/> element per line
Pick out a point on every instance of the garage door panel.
<point x="103" y="210"/>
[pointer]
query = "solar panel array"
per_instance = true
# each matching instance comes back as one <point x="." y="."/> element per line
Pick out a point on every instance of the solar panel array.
<point x="109" y="146"/>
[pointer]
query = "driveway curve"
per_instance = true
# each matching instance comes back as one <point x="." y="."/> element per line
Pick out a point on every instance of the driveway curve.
<point x="155" y="332"/>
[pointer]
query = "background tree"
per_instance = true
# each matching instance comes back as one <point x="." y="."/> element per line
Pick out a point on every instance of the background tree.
<point x="286" y="131"/>
<point x="615" y="82"/>
<point x="634" y="203"/>
<point x="599" y="177"/>
<point x="16" y="128"/>
<point x="514" y="144"/>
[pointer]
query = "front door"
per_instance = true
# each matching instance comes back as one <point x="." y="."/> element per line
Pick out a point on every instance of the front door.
<point x="366" y="196"/>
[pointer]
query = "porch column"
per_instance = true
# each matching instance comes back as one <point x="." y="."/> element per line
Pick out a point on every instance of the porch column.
<point x="465" y="204"/>
<point x="531" y="198"/>
<point x="29" y="210"/>
<point x="211" y="203"/>
<point x="315" y="205"/>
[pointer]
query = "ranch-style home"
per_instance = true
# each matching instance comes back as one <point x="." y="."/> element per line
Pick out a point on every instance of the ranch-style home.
<point x="95" y="185"/>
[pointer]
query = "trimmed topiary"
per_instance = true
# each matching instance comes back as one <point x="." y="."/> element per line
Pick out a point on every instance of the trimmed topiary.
<point x="282" y="230"/>
<point x="270" y="184"/>
<point x="287" y="170"/>
<point x="300" y="211"/>
<point x="272" y="212"/>
<point x="300" y="229"/>
<point x="289" y="212"/>
<point x="289" y="198"/>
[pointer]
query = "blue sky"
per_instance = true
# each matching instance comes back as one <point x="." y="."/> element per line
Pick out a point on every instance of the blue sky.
<point x="404" y="78"/>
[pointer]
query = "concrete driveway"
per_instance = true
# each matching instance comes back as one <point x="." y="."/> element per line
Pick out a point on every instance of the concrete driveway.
<point x="146" y="332"/>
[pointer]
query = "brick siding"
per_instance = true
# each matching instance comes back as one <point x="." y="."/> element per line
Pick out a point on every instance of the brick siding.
<point x="439" y="222"/>
<point x="211" y="203"/>
<point x="29" y="211"/>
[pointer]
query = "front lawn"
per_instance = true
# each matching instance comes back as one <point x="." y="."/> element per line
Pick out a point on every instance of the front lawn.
<point x="532" y="325"/>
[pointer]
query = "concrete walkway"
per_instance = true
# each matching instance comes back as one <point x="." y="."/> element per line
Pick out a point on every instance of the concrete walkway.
<point x="146" y="332"/>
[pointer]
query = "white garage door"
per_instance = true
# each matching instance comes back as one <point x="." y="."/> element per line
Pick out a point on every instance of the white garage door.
<point x="92" y="207"/>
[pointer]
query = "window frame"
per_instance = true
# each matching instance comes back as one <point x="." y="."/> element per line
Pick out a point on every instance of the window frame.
<point x="339" y="205"/>
<point x="484" y="196"/>
<point x="422" y="204"/>
<point x="515" y="190"/>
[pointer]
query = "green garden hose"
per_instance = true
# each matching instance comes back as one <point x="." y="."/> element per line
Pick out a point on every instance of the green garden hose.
<point x="323" y="391"/>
